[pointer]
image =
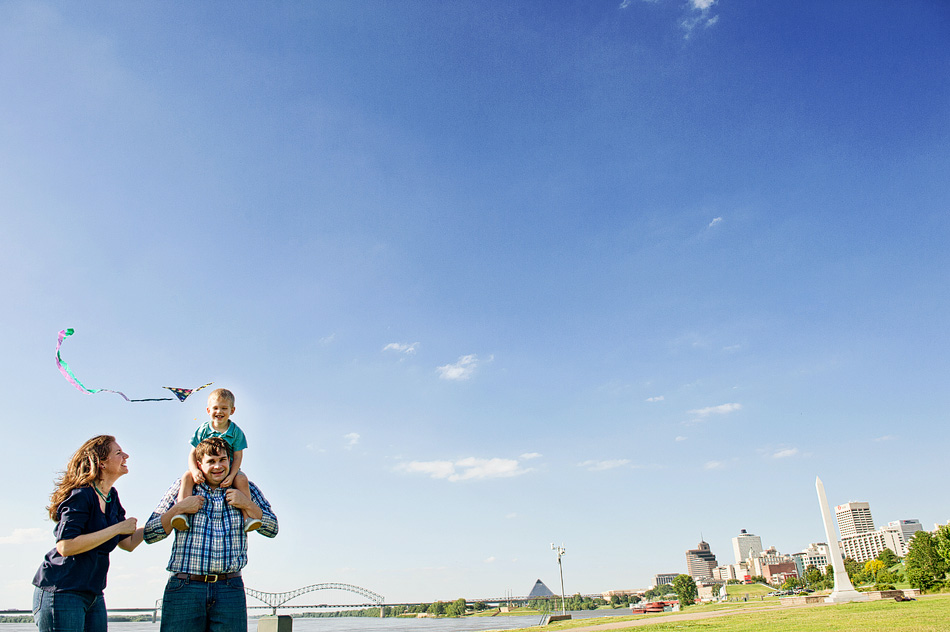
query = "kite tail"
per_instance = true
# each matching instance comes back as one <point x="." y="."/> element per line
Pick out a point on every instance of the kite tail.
<point x="68" y="373"/>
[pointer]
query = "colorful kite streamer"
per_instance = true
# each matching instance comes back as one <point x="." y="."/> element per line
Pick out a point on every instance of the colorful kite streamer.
<point x="181" y="393"/>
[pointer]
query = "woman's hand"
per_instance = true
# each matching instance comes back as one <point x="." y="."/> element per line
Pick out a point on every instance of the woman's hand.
<point x="89" y="541"/>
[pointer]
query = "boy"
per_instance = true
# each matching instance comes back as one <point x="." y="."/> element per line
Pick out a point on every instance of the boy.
<point x="220" y="408"/>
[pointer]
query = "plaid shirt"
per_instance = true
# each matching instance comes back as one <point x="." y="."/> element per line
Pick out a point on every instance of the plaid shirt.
<point x="216" y="542"/>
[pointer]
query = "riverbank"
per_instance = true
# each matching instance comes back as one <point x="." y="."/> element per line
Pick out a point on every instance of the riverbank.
<point x="930" y="613"/>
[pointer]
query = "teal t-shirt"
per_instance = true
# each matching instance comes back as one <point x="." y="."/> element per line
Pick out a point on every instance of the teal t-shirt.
<point x="233" y="435"/>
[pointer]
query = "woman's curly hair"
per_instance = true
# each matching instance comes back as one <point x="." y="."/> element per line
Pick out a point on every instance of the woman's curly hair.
<point x="83" y="469"/>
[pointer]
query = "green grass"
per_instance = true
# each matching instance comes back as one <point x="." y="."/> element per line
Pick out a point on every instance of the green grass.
<point x="753" y="590"/>
<point x="930" y="613"/>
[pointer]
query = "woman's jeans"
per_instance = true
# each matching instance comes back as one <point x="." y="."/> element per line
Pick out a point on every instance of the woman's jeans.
<point x="68" y="611"/>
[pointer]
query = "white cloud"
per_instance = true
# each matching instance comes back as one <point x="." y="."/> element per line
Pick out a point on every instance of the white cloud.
<point x="25" y="536"/>
<point x="352" y="438"/>
<point x="599" y="466"/>
<point x="680" y="438"/>
<point x="490" y="559"/>
<point x="886" y="438"/>
<point x="461" y="370"/>
<point x="718" y="220"/>
<point x="327" y="340"/>
<point x="531" y="455"/>
<point x="721" y="409"/>
<point x="700" y="16"/>
<point x="470" y="468"/>
<point x="786" y="453"/>
<point x="714" y="465"/>
<point x="511" y="516"/>
<point x="435" y="469"/>
<point x="658" y="398"/>
<point x="402" y="347"/>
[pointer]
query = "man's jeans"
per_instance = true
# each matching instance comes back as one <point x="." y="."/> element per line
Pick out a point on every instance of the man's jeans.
<point x="68" y="611"/>
<point x="194" y="606"/>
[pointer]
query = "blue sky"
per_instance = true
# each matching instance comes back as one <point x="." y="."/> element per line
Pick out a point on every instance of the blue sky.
<point x="616" y="275"/>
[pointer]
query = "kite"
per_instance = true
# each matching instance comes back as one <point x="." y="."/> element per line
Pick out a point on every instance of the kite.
<point x="181" y="393"/>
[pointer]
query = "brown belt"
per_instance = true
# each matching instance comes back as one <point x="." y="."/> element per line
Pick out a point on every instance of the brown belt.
<point x="208" y="579"/>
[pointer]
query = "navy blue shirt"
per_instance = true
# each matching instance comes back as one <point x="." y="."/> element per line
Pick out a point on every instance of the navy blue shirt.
<point x="80" y="513"/>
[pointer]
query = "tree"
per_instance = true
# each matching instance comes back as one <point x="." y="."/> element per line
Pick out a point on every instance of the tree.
<point x="889" y="558"/>
<point x="685" y="589"/>
<point x="873" y="567"/>
<point x="456" y="608"/>
<point x="855" y="571"/>
<point x="942" y="542"/>
<point x="437" y="608"/>
<point x="791" y="583"/>
<point x="812" y="575"/>
<point x="925" y="566"/>
<point x="659" y="591"/>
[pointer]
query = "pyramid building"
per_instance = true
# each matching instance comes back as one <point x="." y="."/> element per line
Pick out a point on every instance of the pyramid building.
<point x="540" y="590"/>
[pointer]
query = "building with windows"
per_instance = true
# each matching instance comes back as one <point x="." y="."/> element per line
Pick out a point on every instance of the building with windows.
<point x="862" y="542"/>
<point x="816" y="555"/>
<point x="663" y="578"/>
<point x="867" y="546"/>
<point x="854" y="518"/>
<point x="907" y="528"/>
<point x="745" y="545"/>
<point x="769" y="558"/>
<point x="700" y="561"/>
<point x="731" y="571"/>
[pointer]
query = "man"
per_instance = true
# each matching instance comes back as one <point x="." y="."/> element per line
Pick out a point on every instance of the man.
<point x="205" y="591"/>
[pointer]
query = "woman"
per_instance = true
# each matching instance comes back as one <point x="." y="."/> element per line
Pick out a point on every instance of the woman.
<point x="90" y="522"/>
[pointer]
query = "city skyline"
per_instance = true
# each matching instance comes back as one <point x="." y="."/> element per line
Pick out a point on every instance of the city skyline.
<point x="616" y="275"/>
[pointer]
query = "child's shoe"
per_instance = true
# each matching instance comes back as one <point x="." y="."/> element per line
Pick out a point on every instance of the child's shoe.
<point x="181" y="522"/>
<point x="252" y="524"/>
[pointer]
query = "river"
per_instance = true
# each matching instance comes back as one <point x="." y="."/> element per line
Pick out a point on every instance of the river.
<point x="367" y="624"/>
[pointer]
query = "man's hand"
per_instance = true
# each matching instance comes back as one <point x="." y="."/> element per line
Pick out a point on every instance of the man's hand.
<point x="239" y="501"/>
<point x="236" y="499"/>
<point x="189" y="505"/>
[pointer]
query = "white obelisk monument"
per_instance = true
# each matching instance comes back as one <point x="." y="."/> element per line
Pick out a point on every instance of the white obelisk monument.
<point x="844" y="591"/>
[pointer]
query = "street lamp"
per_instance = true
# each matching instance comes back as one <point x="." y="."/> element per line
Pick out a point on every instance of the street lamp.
<point x="560" y="551"/>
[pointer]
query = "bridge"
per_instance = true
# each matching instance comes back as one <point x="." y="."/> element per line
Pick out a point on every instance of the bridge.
<point x="276" y="600"/>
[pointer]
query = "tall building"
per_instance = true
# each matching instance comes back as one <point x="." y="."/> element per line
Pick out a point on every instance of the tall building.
<point x="854" y="519"/>
<point x="907" y="528"/>
<point x="700" y="561"/>
<point x="895" y="536"/>
<point x="746" y="545"/>
<point x="866" y="546"/>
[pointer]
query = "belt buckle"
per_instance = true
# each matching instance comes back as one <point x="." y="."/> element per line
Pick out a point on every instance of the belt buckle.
<point x="211" y="581"/>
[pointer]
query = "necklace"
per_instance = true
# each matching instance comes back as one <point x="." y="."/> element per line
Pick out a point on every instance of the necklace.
<point x="105" y="498"/>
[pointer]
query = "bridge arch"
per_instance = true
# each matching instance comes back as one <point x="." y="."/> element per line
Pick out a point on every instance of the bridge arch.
<point x="274" y="600"/>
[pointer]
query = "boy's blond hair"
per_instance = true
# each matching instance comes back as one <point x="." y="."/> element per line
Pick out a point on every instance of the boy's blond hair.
<point x="222" y="393"/>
